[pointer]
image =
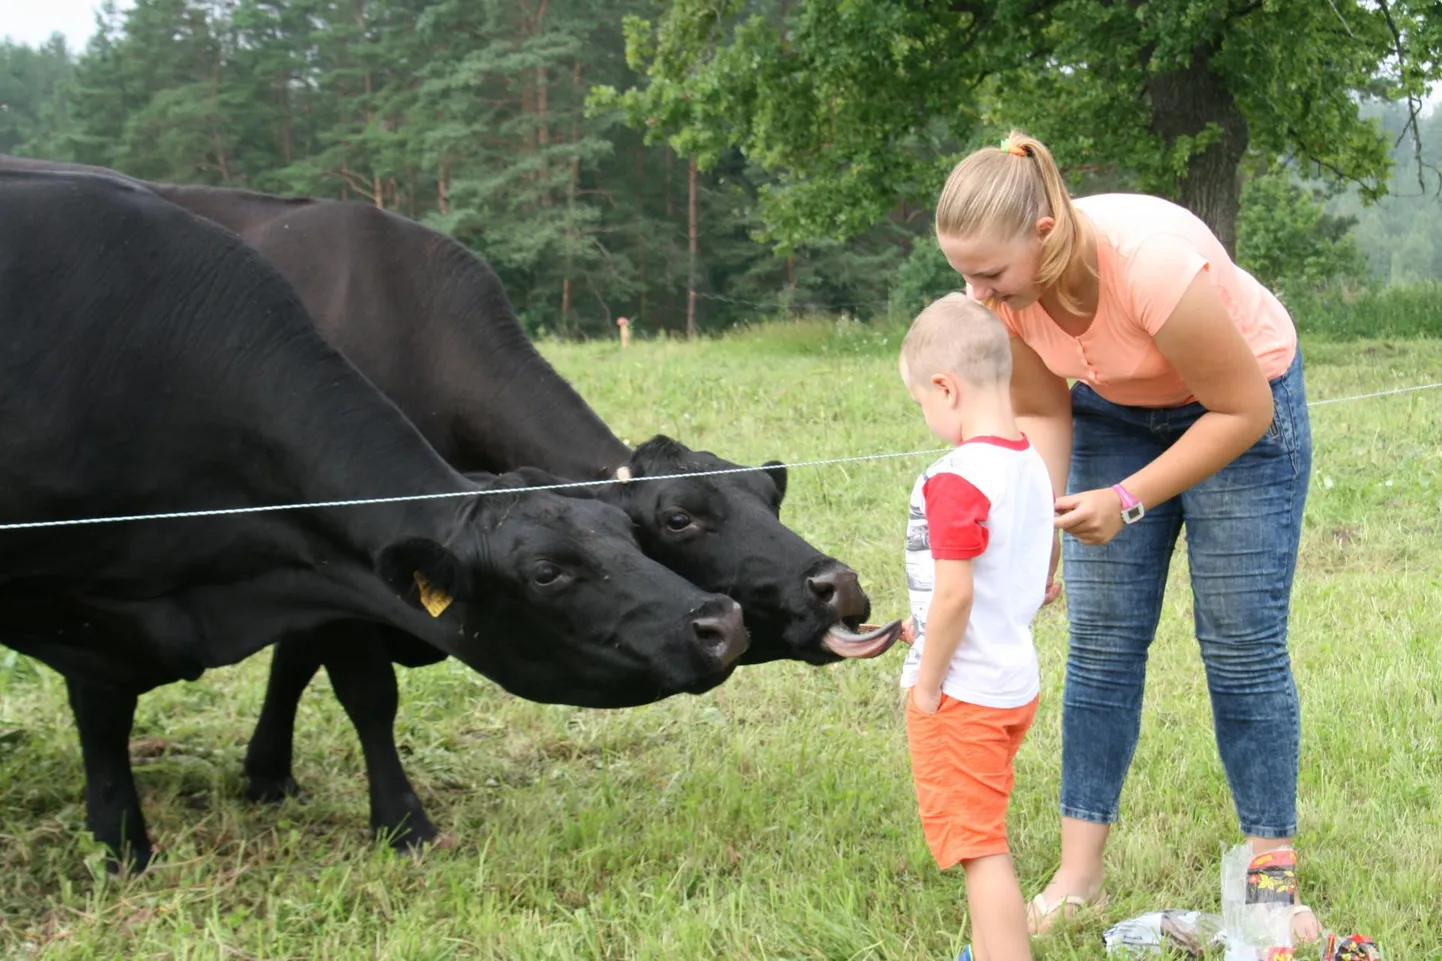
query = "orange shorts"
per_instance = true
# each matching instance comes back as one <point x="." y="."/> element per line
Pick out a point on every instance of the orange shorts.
<point x="961" y="764"/>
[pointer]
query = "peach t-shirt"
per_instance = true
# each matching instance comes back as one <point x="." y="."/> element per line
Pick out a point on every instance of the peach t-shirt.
<point x="1148" y="252"/>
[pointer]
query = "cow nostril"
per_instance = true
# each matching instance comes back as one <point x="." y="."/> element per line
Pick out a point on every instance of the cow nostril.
<point x="841" y="590"/>
<point x="722" y="636"/>
<point x="823" y="588"/>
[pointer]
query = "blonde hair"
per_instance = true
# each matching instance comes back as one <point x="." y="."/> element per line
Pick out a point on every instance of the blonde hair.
<point x="1004" y="191"/>
<point x="958" y="335"/>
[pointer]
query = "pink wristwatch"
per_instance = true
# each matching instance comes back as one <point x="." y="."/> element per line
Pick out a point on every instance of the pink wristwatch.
<point x="1132" y="509"/>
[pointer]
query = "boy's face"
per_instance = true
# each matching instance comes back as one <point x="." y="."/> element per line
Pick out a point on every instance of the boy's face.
<point x="940" y="402"/>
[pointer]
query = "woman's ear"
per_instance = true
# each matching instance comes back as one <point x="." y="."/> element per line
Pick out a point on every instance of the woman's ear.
<point x="1044" y="226"/>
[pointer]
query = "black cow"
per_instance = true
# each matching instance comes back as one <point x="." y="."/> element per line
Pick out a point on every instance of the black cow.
<point x="153" y="362"/>
<point x="430" y="324"/>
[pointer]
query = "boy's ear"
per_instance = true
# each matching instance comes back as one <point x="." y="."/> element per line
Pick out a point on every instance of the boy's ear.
<point x="945" y="383"/>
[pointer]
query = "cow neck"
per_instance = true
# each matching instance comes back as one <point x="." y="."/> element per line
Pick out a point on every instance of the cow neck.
<point x="331" y="435"/>
<point x="510" y="407"/>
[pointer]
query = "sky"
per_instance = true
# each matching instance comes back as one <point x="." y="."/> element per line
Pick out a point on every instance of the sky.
<point x="32" y="21"/>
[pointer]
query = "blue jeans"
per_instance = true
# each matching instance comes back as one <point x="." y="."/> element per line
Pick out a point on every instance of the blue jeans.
<point x="1243" y="525"/>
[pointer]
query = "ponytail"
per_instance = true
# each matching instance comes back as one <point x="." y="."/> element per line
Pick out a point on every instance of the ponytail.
<point x="1003" y="191"/>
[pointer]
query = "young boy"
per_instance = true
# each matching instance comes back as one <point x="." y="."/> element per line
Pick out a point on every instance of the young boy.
<point x="978" y="548"/>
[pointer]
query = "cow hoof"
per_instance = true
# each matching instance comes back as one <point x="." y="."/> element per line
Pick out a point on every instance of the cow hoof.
<point x="272" y="790"/>
<point x="414" y="840"/>
<point x="138" y="863"/>
<point x="415" y="847"/>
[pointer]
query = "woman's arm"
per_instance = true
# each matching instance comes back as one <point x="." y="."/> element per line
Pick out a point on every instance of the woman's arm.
<point x="1042" y="404"/>
<point x="1206" y="349"/>
<point x="1215" y="362"/>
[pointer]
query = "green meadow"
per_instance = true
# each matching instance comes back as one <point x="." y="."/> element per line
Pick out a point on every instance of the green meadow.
<point x="774" y="817"/>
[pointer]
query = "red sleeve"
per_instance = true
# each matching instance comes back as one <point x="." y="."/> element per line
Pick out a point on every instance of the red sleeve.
<point x="955" y="516"/>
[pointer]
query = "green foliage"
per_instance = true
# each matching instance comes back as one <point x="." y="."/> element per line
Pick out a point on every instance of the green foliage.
<point x="1347" y="313"/>
<point x="553" y="138"/>
<point x="471" y="117"/>
<point x="852" y="106"/>
<point x="1286" y="238"/>
<point x="1402" y="234"/>
<point x="30" y="80"/>
<point x="924" y="277"/>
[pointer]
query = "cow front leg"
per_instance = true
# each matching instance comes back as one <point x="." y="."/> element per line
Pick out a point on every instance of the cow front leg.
<point x="268" y="757"/>
<point x="104" y="717"/>
<point x="365" y="682"/>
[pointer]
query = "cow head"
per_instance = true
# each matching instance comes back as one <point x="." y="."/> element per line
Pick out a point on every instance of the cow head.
<point x="552" y="598"/>
<point x="724" y="533"/>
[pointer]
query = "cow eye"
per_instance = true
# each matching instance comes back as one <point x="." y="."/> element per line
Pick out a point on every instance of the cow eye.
<point x="546" y="574"/>
<point x="678" y="520"/>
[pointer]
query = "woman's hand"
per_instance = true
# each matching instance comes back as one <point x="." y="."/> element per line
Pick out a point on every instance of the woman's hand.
<point x="1092" y="517"/>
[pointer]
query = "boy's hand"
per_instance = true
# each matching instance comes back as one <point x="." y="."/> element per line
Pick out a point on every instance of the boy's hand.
<point x="908" y="630"/>
<point x="926" y="701"/>
<point x="1053" y="589"/>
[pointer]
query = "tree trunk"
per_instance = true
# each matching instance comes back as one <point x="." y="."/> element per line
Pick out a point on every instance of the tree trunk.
<point x="576" y="109"/>
<point x="691" y="231"/>
<point x="1183" y="102"/>
<point x="573" y="187"/>
<point x="670" y="207"/>
<point x="543" y="134"/>
<point x="528" y="107"/>
<point x="641" y="216"/>
<point x="443" y="200"/>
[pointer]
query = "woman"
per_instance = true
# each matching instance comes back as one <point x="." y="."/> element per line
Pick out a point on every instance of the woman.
<point x="1189" y="409"/>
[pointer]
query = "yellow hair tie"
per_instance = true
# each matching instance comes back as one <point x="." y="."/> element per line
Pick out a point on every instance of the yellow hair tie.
<point x="1014" y="150"/>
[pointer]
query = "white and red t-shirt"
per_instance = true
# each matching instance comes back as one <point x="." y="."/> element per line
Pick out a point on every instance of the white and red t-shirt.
<point x="989" y="500"/>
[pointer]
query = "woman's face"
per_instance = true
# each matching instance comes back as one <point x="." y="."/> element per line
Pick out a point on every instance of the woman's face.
<point x="1004" y="271"/>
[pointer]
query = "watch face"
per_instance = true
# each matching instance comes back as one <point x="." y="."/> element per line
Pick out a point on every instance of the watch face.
<point x="1133" y="514"/>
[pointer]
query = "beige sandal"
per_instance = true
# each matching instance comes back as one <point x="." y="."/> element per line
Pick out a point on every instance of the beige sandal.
<point x="1037" y="911"/>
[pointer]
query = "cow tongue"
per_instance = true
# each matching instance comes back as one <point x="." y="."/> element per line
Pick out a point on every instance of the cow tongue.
<point x="844" y="642"/>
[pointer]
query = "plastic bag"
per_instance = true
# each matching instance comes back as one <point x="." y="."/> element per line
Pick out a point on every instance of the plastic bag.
<point x="1258" y="895"/>
<point x="1189" y="932"/>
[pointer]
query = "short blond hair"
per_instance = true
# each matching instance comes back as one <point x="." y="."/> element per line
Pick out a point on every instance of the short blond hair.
<point x="958" y="335"/>
<point x="1002" y="192"/>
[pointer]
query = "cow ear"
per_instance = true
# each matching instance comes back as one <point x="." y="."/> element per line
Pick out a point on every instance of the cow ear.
<point x="777" y="472"/>
<point x="424" y="573"/>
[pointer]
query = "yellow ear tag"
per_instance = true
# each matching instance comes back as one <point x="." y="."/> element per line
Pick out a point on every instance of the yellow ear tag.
<point x="433" y="599"/>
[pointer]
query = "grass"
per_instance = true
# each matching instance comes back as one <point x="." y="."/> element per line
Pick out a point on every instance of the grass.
<point x="773" y="818"/>
<point x="1389" y="310"/>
